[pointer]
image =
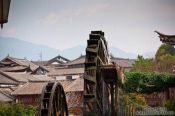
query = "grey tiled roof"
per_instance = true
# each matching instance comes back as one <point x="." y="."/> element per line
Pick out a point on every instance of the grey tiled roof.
<point x="22" y="62"/>
<point x="76" y="85"/>
<point x="20" y="77"/>
<point x="40" y="63"/>
<point x="65" y="83"/>
<point x="30" y="88"/>
<point x="65" y="71"/>
<point x="80" y="60"/>
<point x="125" y="63"/>
<point x="11" y="69"/>
<point x="58" y="59"/>
<point x="25" y="77"/>
<point x="7" y="80"/>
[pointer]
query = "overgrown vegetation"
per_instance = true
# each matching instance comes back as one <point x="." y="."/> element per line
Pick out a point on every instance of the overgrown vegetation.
<point x="131" y="99"/>
<point x="147" y="82"/>
<point x="150" y="75"/>
<point x="170" y="105"/>
<point x="16" y="109"/>
<point x="164" y="61"/>
<point x="143" y="65"/>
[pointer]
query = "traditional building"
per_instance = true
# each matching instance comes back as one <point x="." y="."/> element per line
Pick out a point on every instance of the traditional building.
<point x="29" y="93"/>
<point x="30" y="77"/>
<point x="77" y="63"/>
<point x="168" y="39"/>
<point x="126" y="64"/>
<point x="40" y="71"/>
<point x="11" y="64"/>
<point x="71" y="70"/>
<point x="6" y="80"/>
<point x="57" y="61"/>
<point x="66" y="73"/>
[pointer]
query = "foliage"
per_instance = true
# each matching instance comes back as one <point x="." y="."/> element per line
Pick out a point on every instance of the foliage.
<point x="147" y="82"/>
<point x="164" y="61"/>
<point x="16" y="109"/>
<point x="170" y="105"/>
<point x="143" y="65"/>
<point x="131" y="99"/>
<point x="164" y="49"/>
<point x="165" y="58"/>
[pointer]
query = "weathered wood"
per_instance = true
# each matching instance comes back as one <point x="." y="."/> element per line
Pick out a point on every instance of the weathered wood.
<point x="53" y="100"/>
<point x="99" y="75"/>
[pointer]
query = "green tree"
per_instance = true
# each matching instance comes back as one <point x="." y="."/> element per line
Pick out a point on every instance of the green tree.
<point x="165" y="58"/>
<point x="164" y="49"/>
<point x="143" y="64"/>
<point x="164" y="61"/>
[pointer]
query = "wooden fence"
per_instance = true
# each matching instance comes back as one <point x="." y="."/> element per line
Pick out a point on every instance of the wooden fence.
<point x="126" y="111"/>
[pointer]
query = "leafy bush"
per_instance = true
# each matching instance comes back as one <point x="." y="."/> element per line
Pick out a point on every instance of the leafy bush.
<point x="170" y="105"/>
<point x="147" y="82"/>
<point x="16" y="109"/>
<point x="143" y="64"/>
<point x="165" y="49"/>
<point x="131" y="99"/>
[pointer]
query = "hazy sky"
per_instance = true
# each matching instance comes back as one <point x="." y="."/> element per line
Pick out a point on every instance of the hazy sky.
<point x="128" y="24"/>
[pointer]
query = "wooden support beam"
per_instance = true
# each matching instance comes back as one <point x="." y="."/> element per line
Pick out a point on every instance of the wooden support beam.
<point x="112" y="100"/>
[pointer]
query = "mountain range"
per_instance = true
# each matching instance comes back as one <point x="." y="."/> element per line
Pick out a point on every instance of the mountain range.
<point x="23" y="49"/>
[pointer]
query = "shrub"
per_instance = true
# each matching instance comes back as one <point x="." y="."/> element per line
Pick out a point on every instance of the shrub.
<point x="170" y="105"/>
<point x="147" y="82"/>
<point x="16" y="109"/>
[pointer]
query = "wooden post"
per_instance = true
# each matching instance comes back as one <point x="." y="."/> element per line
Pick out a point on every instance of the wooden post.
<point x="112" y="100"/>
<point x="116" y="98"/>
<point x="2" y="16"/>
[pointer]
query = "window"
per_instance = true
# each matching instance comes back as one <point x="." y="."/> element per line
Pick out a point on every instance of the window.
<point x="69" y="77"/>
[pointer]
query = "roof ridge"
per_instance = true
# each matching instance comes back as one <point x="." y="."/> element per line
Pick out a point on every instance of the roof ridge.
<point x="16" y="58"/>
<point x="122" y="58"/>
<point x="83" y="56"/>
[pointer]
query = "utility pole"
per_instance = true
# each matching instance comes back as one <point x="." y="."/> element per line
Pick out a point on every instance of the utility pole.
<point x="40" y="56"/>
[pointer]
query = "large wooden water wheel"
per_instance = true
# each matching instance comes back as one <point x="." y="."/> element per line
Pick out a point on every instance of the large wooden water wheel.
<point x="96" y="89"/>
<point x="100" y="83"/>
<point x="53" y="100"/>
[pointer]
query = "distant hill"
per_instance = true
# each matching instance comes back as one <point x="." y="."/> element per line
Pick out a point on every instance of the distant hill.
<point x="122" y="54"/>
<point x="19" y="48"/>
